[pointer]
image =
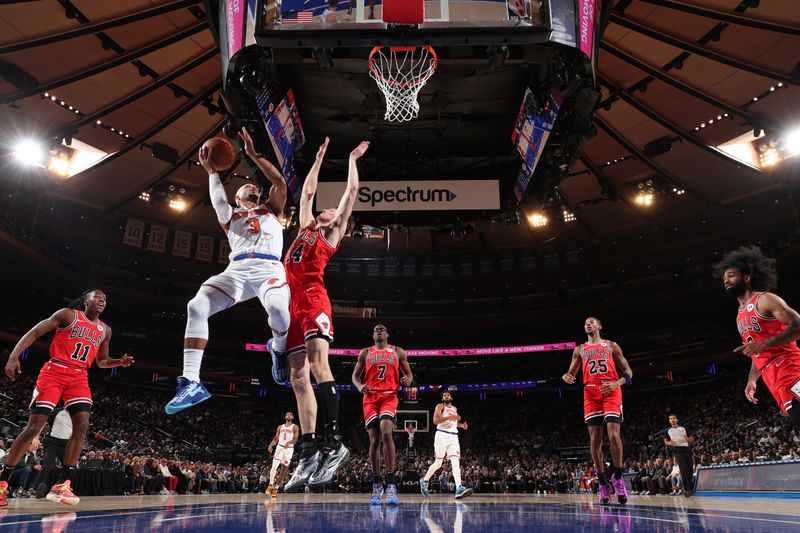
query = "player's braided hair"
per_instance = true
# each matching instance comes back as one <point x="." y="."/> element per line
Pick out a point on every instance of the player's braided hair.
<point x="749" y="260"/>
<point x="80" y="302"/>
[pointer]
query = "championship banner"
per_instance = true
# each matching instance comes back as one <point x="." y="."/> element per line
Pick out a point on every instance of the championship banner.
<point x="446" y="195"/>
<point x="157" y="242"/>
<point x="182" y="244"/>
<point x="205" y="248"/>
<point x="449" y="352"/>
<point x="224" y="252"/>
<point x="134" y="233"/>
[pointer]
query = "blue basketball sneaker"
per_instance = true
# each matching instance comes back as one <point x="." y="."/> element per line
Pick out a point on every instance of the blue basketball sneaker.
<point x="391" y="495"/>
<point x="377" y="492"/>
<point x="462" y="492"/>
<point x="189" y="393"/>
<point x="280" y="371"/>
<point x="423" y="487"/>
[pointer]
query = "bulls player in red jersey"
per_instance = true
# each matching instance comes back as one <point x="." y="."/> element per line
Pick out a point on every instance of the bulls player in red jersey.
<point x="600" y="360"/>
<point x="768" y="326"/>
<point x="80" y="338"/>
<point x="311" y="326"/>
<point x="381" y="365"/>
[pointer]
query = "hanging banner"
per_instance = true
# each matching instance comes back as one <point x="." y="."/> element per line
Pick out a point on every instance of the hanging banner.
<point x="224" y="252"/>
<point x="205" y="248"/>
<point x="182" y="244"/>
<point x="157" y="242"/>
<point x="134" y="233"/>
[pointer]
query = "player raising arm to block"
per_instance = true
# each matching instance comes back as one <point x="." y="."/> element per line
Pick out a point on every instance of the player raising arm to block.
<point x="80" y="338"/>
<point x="255" y="236"/>
<point x="311" y="329"/>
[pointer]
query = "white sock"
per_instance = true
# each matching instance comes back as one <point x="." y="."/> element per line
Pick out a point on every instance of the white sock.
<point x="191" y="363"/>
<point x="279" y="342"/>
<point x="456" y="470"/>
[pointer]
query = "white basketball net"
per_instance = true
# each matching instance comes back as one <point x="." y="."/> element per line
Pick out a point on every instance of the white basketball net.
<point x="400" y="73"/>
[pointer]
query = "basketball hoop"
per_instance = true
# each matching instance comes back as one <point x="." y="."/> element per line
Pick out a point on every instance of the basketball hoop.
<point x="401" y="72"/>
<point x="411" y="429"/>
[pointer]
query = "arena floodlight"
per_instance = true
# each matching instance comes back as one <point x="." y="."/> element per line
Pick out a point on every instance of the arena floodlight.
<point x="30" y="152"/>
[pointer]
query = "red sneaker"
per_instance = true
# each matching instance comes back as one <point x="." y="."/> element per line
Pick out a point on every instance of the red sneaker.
<point x="3" y="493"/>
<point x="62" y="493"/>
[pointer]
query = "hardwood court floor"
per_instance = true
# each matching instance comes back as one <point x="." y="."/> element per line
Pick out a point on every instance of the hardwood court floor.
<point x="437" y="514"/>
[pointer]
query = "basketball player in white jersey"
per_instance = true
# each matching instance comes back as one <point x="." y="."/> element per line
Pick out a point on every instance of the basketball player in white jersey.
<point x="255" y="271"/>
<point x="445" y="444"/>
<point x="285" y="438"/>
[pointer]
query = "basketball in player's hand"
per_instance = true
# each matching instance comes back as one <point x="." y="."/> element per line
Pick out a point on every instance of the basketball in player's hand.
<point x="221" y="152"/>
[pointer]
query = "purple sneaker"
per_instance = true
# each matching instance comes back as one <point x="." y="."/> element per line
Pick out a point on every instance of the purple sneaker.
<point x="619" y="488"/>
<point x="604" y="491"/>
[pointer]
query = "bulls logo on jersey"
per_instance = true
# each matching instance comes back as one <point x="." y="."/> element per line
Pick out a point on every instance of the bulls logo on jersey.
<point x="750" y="307"/>
<point x="324" y="323"/>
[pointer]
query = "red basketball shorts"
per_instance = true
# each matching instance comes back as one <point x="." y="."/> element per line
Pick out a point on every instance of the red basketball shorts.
<point x="310" y="314"/>
<point x="598" y="408"/>
<point x="57" y="382"/>
<point x="782" y="378"/>
<point x="379" y="406"/>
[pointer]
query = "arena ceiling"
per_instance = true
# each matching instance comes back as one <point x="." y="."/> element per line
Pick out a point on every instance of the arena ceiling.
<point x="678" y="79"/>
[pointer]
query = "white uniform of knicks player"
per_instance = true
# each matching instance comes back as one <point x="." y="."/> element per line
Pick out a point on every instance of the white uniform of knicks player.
<point x="256" y="240"/>
<point x="284" y="450"/>
<point x="445" y="443"/>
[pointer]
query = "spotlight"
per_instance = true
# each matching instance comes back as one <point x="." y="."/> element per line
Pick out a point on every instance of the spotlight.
<point x="568" y="215"/>
<point x="537" y="220"/>
<point x="30" y="152"/>
<point x="645" y="199"/>
<point x="177" y="205"/>
<point x="145" y="196"/>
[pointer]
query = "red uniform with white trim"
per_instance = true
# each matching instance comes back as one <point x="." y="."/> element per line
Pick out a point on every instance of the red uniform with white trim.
<point x="779" y="365"/>
<point x="599" y="366"/>
<point x="382" y="376"/>
<point x="72" y="351"/>
<point x="310" y="307"/>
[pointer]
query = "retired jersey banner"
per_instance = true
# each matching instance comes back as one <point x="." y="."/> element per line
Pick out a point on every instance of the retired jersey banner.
<point x="134" y="233"/>
<point x="205" y="248"/>
<point x="157" y="242"/>
<point x="224" y="252"/>
<point x="182" y="245"/>
<point x="450" y="195"/>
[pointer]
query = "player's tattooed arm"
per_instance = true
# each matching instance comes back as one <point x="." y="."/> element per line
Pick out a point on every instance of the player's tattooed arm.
<point x="405" y="368"/>
<point x="310" y="187"/>
<point x="574" y="366"/>
<point x="104" y="360"/>
<point x="358" y="370"/>
<point x="625" y="372"/>
<point x="277" y="190"/>
<point x="61" y="318"/>
<point x="772" y="305"/>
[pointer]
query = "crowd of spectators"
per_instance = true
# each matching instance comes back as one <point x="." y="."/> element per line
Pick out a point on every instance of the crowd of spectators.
<point x="206" y="449"/>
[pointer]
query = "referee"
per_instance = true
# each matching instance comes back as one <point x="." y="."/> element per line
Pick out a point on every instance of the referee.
<point x="680" y="440"/>
<point x="55" y="447"/>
